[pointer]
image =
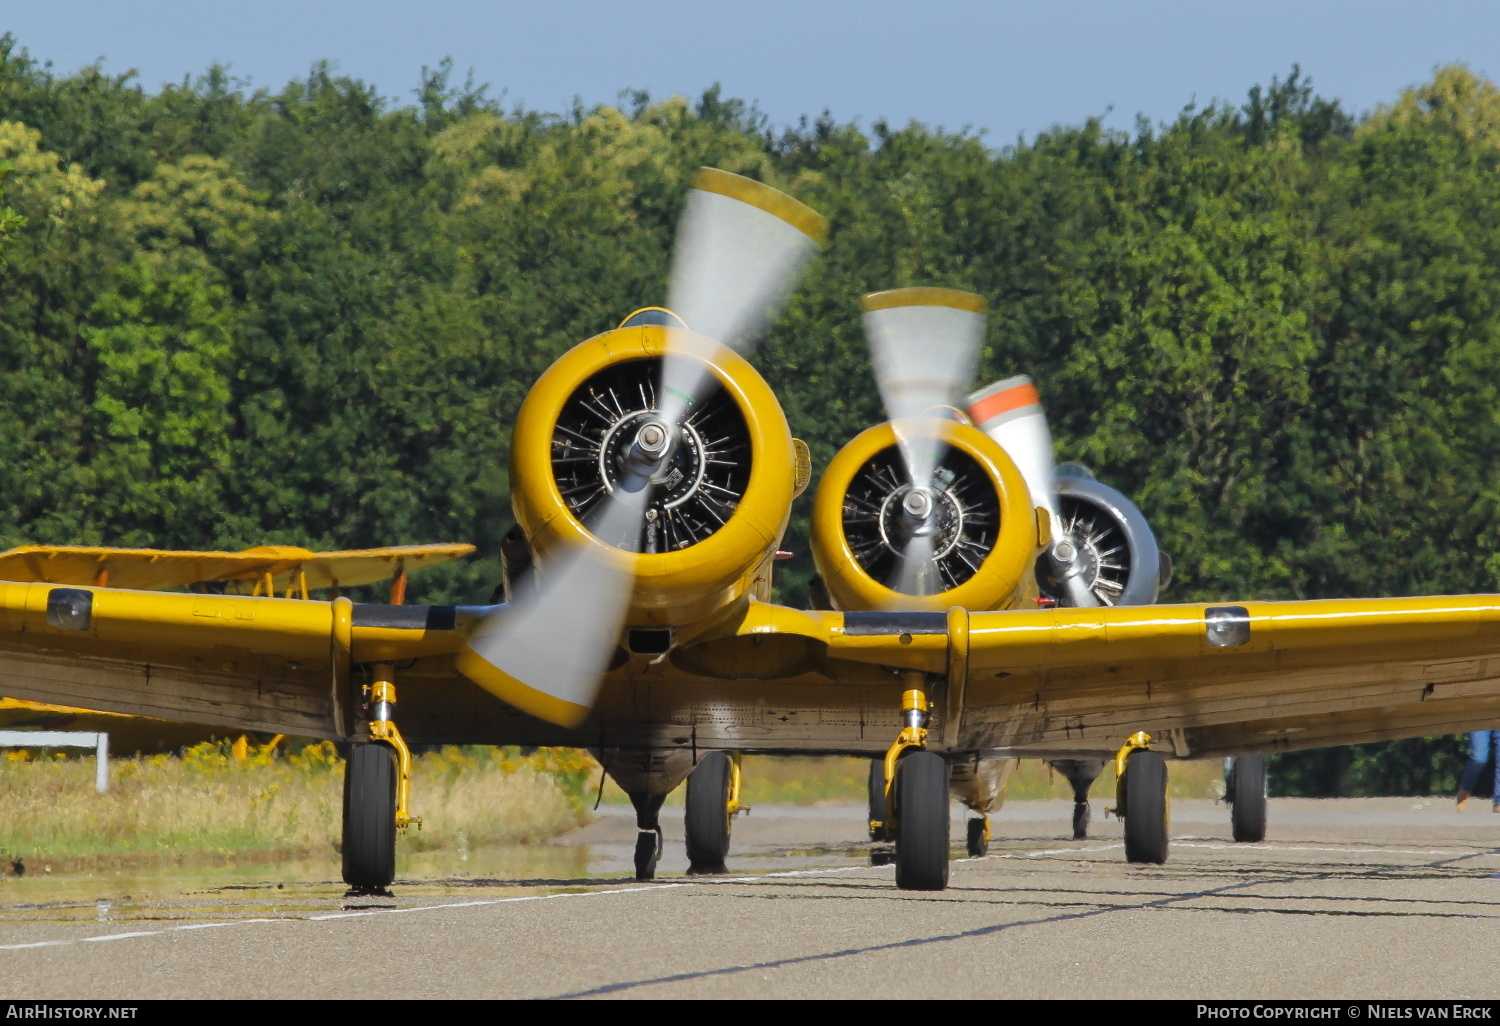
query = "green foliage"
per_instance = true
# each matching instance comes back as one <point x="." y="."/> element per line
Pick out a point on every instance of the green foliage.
<point x="1414" y="766"/>
<point x="308" y="316"/>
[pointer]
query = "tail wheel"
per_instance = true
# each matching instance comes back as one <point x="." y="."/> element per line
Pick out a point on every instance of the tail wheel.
<point x="1247" y="813"/>
<point x="922" y="822"/>
<point x="647" y="854"/>
<point x="707" y="817"/>
<point x="1081" y="816"/>
<point x="1144" y="804"/>
<point x="877" y="801"/>
<point x="369" y="843"/>
<point x="979" y="843"/>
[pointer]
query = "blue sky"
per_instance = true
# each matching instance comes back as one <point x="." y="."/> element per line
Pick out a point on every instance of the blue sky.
<point x="1003" y="67"/>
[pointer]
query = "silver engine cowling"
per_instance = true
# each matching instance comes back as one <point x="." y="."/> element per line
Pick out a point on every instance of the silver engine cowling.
<point x="1122" y="565"/>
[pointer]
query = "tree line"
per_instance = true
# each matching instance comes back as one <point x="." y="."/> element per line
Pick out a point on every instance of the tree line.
<point x="234" y="316"/>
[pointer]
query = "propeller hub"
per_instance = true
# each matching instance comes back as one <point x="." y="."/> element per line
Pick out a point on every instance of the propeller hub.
<point x="918" y="504"/>
<point x="652" y="441"/>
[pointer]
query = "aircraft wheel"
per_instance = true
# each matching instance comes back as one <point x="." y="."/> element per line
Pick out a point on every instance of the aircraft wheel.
<point x="979" y="845"/>
<point x="877" y="800"/>
<point x="922" y="822"/>
<point x="1081" y="816"/>
<point x="1247" y="814"/>
<point x="1145" y="806"/>
<point x="647" y="852"/>
<point x="707" y="816"/>
<point x="369" y="844"/>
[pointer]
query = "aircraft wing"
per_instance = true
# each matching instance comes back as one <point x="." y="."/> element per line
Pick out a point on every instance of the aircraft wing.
<point x="150" y="569"/>
<point x="1203" y="680"/>
<point x="278" y="665"/>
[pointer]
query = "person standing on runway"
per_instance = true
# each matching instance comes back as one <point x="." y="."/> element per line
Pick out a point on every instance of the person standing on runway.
<point x="1481" y="743"/>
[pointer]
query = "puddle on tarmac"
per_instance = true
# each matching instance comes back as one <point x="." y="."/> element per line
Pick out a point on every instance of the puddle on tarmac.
<point x="601" y="854"/>
<point x="292" y="888"/>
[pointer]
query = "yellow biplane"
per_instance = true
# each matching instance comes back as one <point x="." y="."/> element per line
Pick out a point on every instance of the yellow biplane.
<point x="970" y="615"/>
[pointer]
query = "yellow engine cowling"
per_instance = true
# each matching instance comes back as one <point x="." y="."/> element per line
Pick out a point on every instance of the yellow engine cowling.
<point x="699" y="574"/>
<point x="852" y="511"/>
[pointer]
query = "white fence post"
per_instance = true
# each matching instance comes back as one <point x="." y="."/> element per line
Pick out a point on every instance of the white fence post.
<point x="65" y="739"/>
<point x="101" y="763"/>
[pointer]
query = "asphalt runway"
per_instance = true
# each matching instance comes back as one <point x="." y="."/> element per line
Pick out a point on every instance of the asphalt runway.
<point x="1347" y="899"/>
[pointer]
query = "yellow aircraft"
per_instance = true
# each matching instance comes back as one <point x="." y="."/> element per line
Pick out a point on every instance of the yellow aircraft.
<point x="652" y="471"/>
<point x="264" y="570"/>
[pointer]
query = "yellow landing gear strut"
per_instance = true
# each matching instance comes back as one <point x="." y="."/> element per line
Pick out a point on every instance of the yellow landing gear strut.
<point x="733" y="806"/>
<point x="915" y="710"/>
<point x="381" y="693"/>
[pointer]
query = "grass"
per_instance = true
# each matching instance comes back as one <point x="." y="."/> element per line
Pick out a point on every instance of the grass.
<point x="207" y="806"/>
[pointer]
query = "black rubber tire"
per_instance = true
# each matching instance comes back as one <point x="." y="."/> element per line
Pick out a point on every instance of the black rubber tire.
<point x="369" y="842"/>
<point x="1081" y="817"/>
<point x="1145" y="807"/>
<point x="922" y="822"/>
<point x="877" y="800"/>
<point x="647" y="847"/>
<point x="978" y="846"/>
<point x="707" y="818"/>
<point x="1247" y="814"/>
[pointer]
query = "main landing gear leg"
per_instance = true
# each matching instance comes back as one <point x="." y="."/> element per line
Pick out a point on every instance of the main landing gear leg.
<point x="377" y="781"/>
<point x="1141" y="799"/>
<point x="713" y="797"/>
<point x="878" y="831"/>
<point x="916" y="791"/>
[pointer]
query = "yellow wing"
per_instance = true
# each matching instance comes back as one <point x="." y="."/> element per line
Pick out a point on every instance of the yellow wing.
<point x="151" y="569"/>
<point x="1203" y="680"/>
<point x="282" y="666"/>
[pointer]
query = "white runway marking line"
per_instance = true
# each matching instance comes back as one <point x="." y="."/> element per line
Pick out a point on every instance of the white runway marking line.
<point x="1046" y="851"/>
<point x="1260" y="846"/>
<point x="421" y="908"/>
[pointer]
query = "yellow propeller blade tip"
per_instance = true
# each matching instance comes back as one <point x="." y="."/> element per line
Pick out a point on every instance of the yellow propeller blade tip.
<point x="894" y="298"/>
<point x="512" y="692"/>
<point x="774" y="202"/>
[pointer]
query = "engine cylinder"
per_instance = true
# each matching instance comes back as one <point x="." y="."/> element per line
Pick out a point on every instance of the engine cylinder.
<point x="718" y="505"/>
<point x="979" y="530"/>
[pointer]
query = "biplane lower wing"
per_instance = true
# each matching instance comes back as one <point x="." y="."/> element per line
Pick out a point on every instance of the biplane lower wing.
<point x="1203" y="680"/>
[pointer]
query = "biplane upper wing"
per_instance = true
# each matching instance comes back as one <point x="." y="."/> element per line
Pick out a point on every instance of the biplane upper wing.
<point x="1203" y="680"/>
<point x="150" y="569"/>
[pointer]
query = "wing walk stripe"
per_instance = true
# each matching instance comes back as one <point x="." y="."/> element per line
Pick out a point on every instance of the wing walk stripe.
<point x="858" y="624"/>
<point x="405" y="618"/>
